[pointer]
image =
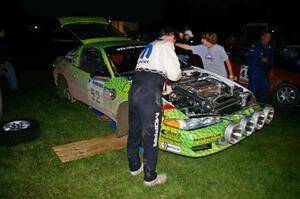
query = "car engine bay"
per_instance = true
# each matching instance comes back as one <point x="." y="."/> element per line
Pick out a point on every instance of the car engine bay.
<point x="198" y="94"/>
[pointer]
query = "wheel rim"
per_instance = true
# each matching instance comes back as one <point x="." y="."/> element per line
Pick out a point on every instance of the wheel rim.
<point x="286" y="95"/>
<point x="16" y="125"/>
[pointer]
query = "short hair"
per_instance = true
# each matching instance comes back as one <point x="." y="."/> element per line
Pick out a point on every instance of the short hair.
<point x="167" y="31"/>
<point x="266" y="32"/>
<point x="210" y="36"/>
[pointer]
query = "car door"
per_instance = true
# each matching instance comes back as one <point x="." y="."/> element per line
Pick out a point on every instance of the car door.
<point x="92" y="62"/>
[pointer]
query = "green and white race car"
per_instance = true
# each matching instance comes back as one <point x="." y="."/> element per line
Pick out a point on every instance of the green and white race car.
<point x="203" y="113"/>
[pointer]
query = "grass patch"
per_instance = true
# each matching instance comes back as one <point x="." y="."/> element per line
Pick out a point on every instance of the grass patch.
<point x="266" y="165"/>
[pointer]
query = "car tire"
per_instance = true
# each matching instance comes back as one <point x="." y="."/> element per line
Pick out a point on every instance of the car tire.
<point x="14" y="132"/>
<point x="62" y="89"/>
<point x="286" y="95"/>
<point x="122" y="120"/>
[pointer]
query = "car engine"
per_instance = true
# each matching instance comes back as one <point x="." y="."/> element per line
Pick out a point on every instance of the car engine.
<point x="198" y="94"/>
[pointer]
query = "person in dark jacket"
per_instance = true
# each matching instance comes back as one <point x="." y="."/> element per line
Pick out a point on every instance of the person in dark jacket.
<point x="6" y="68"/>
<point x="260" y="59"/>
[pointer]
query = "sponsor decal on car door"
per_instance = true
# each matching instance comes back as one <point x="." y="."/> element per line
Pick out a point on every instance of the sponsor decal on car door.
<point x="95" y="93"/>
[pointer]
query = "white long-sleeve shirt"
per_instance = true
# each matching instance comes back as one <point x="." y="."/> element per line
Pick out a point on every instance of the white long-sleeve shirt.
<point x="159" y="56"/>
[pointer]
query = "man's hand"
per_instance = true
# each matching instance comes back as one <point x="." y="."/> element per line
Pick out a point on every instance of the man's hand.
<point x="231" y="77"/>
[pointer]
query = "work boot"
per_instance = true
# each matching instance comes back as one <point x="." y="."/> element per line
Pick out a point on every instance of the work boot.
<point x="137" y="172"/>
<point x="160" y="179"/>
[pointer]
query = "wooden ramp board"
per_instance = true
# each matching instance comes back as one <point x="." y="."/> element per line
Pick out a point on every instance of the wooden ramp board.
<point x="87" y="148"/>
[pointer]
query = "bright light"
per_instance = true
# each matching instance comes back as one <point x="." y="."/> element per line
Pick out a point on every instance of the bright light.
<point x="191" y="124"/>
<point x="36" y="27"/>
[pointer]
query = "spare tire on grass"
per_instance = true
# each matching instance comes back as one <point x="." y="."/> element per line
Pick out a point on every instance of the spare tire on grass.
<point x="18" y="131"/>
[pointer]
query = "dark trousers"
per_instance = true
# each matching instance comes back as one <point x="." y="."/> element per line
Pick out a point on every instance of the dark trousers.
<point x="258" y="82"/>
<point x="145" y="113"/>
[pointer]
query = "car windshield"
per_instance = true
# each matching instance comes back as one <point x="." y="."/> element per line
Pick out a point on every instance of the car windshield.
<point x="93" y="30"/>
<point x="124" y="58"/>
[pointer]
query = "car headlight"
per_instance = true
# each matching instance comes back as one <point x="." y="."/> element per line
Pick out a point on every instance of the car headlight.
<point x="269" y="114"/>
<point x="247" y="125"/>
<point x="259" y="119"/>
<point x="233" y="133"/>
<point x="191" y="124"/>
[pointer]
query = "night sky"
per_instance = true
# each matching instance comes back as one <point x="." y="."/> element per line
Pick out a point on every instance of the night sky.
<point x="180" y="13"/>
<point x="154" y="9"/>
<point x="129" y="10"/>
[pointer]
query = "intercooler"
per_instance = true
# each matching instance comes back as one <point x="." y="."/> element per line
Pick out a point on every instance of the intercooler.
<point x="226" y="105"/>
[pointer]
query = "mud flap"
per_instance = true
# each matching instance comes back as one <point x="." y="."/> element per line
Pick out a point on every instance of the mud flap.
<point x="122" y="120"/>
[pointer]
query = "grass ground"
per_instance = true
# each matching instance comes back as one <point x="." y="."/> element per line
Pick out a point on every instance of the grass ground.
<point x="266" y="165"/>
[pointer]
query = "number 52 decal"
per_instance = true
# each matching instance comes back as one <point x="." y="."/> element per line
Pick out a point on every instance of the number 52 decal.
<point x="95" y="95"/>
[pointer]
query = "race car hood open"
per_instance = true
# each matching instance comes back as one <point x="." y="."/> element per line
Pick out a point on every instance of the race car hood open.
<point x="90" y="29"/>
<point x="199" y="93"/>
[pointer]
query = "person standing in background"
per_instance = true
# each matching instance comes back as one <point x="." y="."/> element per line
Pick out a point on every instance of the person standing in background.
<point x="189" y="37"/>
<point x="260" y="59"/>
<point x="6" y="68"/>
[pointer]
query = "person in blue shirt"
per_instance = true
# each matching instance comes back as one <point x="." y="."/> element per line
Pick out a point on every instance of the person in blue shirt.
<point x="260" y="59"/>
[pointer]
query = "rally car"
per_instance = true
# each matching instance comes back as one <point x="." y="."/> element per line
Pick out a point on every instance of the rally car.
<point x="203" y="113"/>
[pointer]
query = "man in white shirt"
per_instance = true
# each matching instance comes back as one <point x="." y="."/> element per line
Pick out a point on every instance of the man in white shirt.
<point x="156" y="63"/>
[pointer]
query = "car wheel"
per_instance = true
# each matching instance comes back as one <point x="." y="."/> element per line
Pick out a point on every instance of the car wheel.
<point x="18" y="131"/>
<point x="122" y="120"/>
<point x="62" y="89"/>
<point x="286" y="95"/>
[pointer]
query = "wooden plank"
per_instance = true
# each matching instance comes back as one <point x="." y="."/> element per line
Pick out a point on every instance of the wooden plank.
<point x="87" y="148"/>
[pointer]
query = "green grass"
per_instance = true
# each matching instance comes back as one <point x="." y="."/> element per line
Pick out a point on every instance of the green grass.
<point x="266" y="165"/>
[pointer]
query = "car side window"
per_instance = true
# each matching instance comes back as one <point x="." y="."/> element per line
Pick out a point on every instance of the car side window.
<point x="91" y="61"/>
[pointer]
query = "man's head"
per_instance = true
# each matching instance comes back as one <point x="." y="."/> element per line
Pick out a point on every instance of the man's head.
<point x="168" y="34"/>
<point x="209" y="38"/>
<point x="266" y="37"/>
<point x="188" y="34"/>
